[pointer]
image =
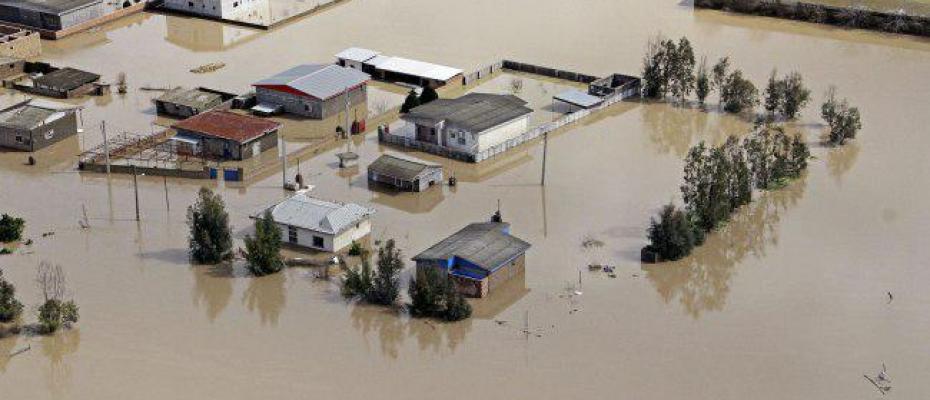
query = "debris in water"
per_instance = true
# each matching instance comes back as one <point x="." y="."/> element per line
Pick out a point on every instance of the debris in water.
<point x="881" y="381"/>
<point x="47" y="234"/>
<point x="500" y="322"/>
<point x="611" y="275"/>
<point x="890" y="297"/>
<point x="20" y="351"/>
<point x="590" y="242"/>
<point x="208" y="68"/>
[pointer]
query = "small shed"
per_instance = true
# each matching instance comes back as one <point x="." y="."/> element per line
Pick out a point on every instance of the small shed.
<point x="229" y="136"/>
<point x="184" y="103"/>
<point x="404" y="173"/>
<point x="65" y="83"/>
<point x="355" y="57"/>
<point x="577" y="98"/>
<point x="35" y="124"/>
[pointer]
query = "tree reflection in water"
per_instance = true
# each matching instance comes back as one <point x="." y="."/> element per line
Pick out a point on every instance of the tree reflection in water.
<point x="841" y="159"/>
<point x="673" y="130"/>
<point x="701" y="281"/>
<point x="7" y="346"/>
<point x="57" y="348"/>
<point x="392" y="328"/>
<point x="267" y="295"/>
<point x="213" y="288"/>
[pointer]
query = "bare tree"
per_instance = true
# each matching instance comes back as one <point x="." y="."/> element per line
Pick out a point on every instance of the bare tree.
<point x="516" y="85"/>
<point x="50" y="279"/>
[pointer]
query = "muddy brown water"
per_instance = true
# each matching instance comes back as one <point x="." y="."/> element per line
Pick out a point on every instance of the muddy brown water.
<point x="788" y="301"/>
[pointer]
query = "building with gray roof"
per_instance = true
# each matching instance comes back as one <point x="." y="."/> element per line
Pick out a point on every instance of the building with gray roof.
<point x="180" y="102"/>
<point x="478" y="258"/>
<point x="468" y="125"/>
<point x="33" y="124"/>
<point x="57" y="18"/>
<point x="316" y="91"/>
<point x="404" y="173"/>
<point x="318" y="224"/>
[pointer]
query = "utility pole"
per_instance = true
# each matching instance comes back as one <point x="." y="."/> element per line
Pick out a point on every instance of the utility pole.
<point x="106" y="144"/>
<point x="283" y="163"/>
<point x="545" y="150"/>
<point x="167" y="203"/>
<point x="135" y="188"/>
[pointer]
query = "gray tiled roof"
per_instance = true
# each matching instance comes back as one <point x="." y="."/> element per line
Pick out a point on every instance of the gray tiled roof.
<point x="306" y="212"/>
<point x="48" y="6"/>
<point x="484" y="244"/>
<point x="30" y="114"/>
<point x="475" y="112"/>
<point x="194" y="98"/>
<point x="400" y="167"/>
<point x="66" y="79"/>
<point x="322" y="81"/>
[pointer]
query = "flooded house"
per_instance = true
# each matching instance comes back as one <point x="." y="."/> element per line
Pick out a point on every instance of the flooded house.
<point x="478" y="258"/>
<point x="58" y="18"/>
<point x="318" y="224"/>
<point x="316" y="91"/>
<point x="404" y="173"/>
<point x="226" y="135"/>
<point x="215" y="9"/>
<point x="35" y="124"/>
<point x="11" y="67"/>
<point x="63" y="83"/>
<point x="20" y="43"/>
<point x="398" y="69"/>
<point x="466" y="126"/>
<point x="183" y="103"/>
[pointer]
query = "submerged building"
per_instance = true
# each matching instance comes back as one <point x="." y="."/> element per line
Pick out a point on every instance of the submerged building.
<point x="478" y="258"/>
<point x="180" y="102"/>
<point x="319" y="224"/>
<point x="35" y="124"/>
<point x="398" y="69"/>
<point x="58" y="18"/>
<point x="404" y="173"/>
<point x="470" y="127"/>
<point x="315" y="91"/>
<point x="19" y="43"/>
<point x="226" y="135"/>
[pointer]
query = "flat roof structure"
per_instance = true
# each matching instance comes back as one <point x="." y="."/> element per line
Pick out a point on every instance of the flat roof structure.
<point x="228" y="125"/>
<point x="322" y="81"/>
<point x="66" y="79"/>
<point x="476" y="112"/>
<point x="32" y="113"/>
<point x="57" y="7"/>
<point x="400" y="167"/>
<point x="194" y="98"/>
<point x="578" y="98"/>
<point x="485" y="244"/>
<point x="357" y="54"/>
<point x="407" y="66"/>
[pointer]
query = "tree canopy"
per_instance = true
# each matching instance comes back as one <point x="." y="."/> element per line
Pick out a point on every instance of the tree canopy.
<point x="263" y="251"/>
<point x="210" y="238"/>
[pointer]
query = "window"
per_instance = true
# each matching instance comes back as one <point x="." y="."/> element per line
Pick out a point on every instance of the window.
<point x="452" y="135"/>
<point x="317" y="241"/>
<point x="462" y="141"/>
<point x="432" y="131"/>
<point x="19" y="139"/>
<point x="190" y="3"/>
<point x="235" y="4"/>
<point x="292" y="234"/>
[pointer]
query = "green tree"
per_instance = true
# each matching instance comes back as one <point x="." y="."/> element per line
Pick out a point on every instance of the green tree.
<point x="55" y="312"/>
<point x="800" y="153"/>
<point x="263" y="251"/>
<point x="672" y="234"/>
<point x="829" y="108"/>
<point x="411" y="102"/>
<point x="795" y="95"/>
<point x="456" y="307"/>
<point x="654" y="62"/>
<point x="681" y="67"/>
<point x="11" y="228"/>
<point x="386" y="284"/>
<point x="10" y="308"/>
<point x="426" y="292"/>
<point x="358" y="282"/>
<point x="210" y="239"/>
<point x="702" y="86"/>
<point x="719" y="75"/>
<point x="844" y="121"/>
<point x="774" y="95"/>
<point x="429" y="94"/>
<point x="738" y="94"/>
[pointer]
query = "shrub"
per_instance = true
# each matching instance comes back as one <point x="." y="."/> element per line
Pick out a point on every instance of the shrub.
<point x="434" y="295"/>
<point x="210" y="239"/>
<point x="356" y="249"/>
<point x="738" y="94"/>
<point x="11" y="228"/>
<point x="357" y="282"/>
<point x="844" y="121"/>
<point x="457" y="308"/>
<point x="672" y="235"/>
<point x="429" y="94"/>
<point x="411" y="102"/>
<point x="386" y="285"/>
<point x="10" y="308"/>
<point x="263" y="252"/>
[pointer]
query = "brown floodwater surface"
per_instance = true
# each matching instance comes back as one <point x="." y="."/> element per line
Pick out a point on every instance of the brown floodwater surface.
<point x="788" y="301"/>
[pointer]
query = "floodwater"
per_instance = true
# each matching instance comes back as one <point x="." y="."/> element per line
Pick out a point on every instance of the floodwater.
<point x="790" y="300"/>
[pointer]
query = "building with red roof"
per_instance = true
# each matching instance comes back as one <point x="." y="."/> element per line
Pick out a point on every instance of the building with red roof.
<point x="227" y="135"/>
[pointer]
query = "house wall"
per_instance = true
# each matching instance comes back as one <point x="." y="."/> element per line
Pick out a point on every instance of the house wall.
<point x="330" y="243"/>
<point x="308" y="106"/>
<point x="268" y="141"/>
<point x="502" y="133"/>
<point x="41" y="136"/>
<point x="210" y="8"/>
<point x="12" y="68"/>
<point x="429" y="177"/>
<point x="229" y="149"/>
<point x="505" y="273"/>
<point x="351" y="64"/>
<point x="353" y="234"/>
<point x="83" y="15"/>
<point x="21" y="44"/>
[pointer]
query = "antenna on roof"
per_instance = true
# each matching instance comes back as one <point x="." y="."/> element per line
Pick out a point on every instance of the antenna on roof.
<point x="497" y="214"/>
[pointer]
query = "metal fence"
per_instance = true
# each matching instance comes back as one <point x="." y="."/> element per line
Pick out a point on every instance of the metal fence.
<point x="482" y="73"/>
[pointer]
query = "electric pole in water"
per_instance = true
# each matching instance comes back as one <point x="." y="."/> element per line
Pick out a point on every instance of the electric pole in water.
<point x="135" y="188"/>
<point x="545" y="150"/>
<point x="167" y="203"/>
<point x="106" y="144"/>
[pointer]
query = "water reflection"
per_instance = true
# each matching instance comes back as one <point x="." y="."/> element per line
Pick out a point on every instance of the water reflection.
<point x="392" y="329"/>
<point x="673" y="130"/>
<point x="840" y="160"/>
<point x="267" y="295"/>
<point x="202" y="35"/>
<point x="58" y="348"/>
<point x="415" y="203"/>
<point x="211" y="291"/>
<point x="701" y="282"/>
<point x="7" y="347"/>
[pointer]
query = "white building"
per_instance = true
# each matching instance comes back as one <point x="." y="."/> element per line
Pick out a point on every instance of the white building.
<point x="469" y="125"/>
<point x="235" y="10"/>
<point x="318" y="224"/>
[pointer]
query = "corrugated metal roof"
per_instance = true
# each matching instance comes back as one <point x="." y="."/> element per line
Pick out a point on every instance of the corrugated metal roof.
<point x="228" y="125"/>
<point x="475" y="112"/>
<point x="322" y="81"/>
<point x="194" y="98"/>
<point x="400" y="167"/>
<point x="318" y="215"/>
<point x="49" y="6"/>
<point x="416" y="68"/>
<point x="33" y="113"/>
<point x="484" y="244"/>
<point x="578" y="98"/>
<point x="66" y="79"/>
<point x="357" y="54"/>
